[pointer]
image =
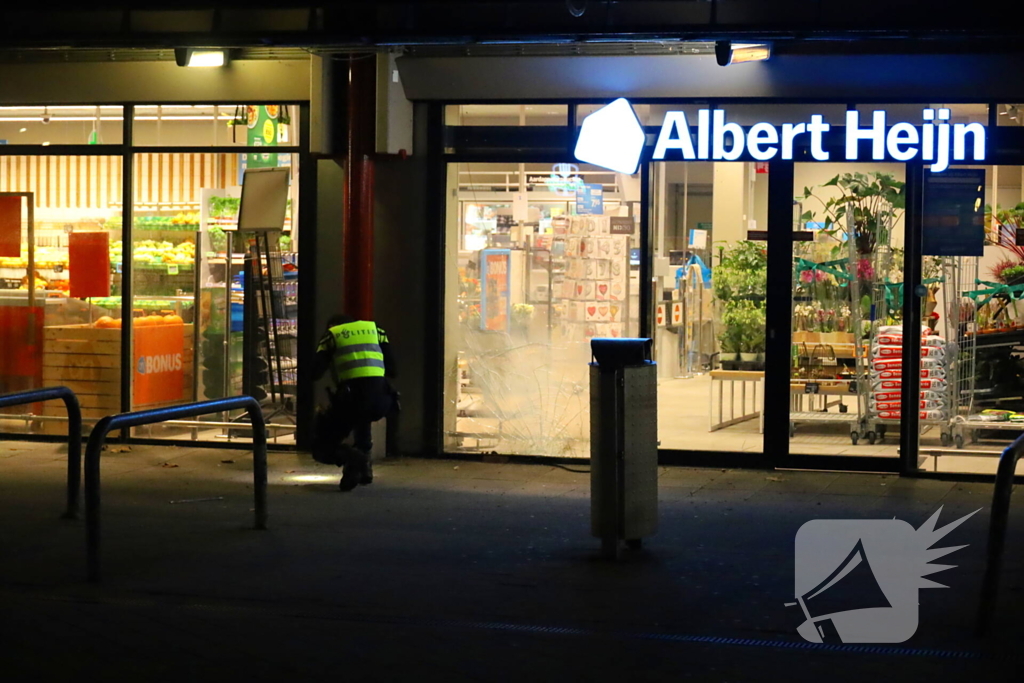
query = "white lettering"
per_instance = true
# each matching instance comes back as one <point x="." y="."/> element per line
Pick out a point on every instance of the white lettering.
<point x="718" y="133"/>
<point x="942" y="156"/>
<point x="703" y="126"/>
<point x="674" y="134"/>
<point x="928" y="136"/>
<point x="935" y="141"/>
<point x="816" y="128"/>
<point x="899" y="135"/>
<point x="960" y="133"/>
<point x="762" y="134"/>
<point x="876" y="134"/>
<point x="789" y="133"/>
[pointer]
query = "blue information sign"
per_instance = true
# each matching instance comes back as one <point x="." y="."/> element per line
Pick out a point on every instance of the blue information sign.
<point x="589" y="199"/>
<point x="954" y="213"/>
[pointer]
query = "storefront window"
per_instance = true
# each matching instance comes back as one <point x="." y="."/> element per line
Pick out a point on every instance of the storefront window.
<point x="1010" y="115"/>
<point x="62" y="125"/>
<point x="209" y="125"/>
<point x="56" y="326"/>
<point x="506" y="114"/>
<point x="529" y="281"/>
<point x="63" y="264"/>
<point x="189" y="292"/>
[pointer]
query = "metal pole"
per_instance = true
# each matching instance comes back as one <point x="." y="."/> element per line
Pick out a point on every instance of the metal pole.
<point x="910" y="394"/>
<point x="997" y="532"/>
<point x="126" y="420"/>
<point x="74" y="435"/>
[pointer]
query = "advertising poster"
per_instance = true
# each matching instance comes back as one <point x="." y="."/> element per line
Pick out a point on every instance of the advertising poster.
<point x="495" y="304"/>
<point x="89" y="264"/>
<point x="159" y="364"/>
<point x="261" y="124"/>
<point x="954" y="213"/>
<point x="589" y="199"/>
<point x="10" y="227"/>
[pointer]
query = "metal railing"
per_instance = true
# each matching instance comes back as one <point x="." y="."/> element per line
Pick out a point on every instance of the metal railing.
<point x="124" y="420"/>
<point x="74" y="434"/>
<point x="997" y="532"/>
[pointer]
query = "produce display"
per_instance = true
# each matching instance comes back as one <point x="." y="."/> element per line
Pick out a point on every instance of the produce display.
<point x="46" y="258"/>
<point x="106" y="322"/>
<point x="152" y="252"/>
<point x="185" y="220"/>
<point x="114" y="303"/>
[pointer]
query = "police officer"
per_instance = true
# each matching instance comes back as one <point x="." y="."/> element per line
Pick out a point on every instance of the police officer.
<point x="359" y="356"/>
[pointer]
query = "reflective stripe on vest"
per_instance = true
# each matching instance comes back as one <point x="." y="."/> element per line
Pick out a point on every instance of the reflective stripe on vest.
<point x="357" y="351"/>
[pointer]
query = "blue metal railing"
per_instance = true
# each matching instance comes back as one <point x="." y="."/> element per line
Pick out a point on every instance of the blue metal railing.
<point x="997" y="532"/>
<point x="125" y="420"/>
<point x="74" y="434"/>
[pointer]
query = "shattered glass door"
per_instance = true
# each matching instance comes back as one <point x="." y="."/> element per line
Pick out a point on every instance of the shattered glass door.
<point x="529" y="282"/>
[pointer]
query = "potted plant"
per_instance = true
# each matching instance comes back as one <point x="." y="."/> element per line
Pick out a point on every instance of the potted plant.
<point x="872" y="201"/>
<point x="731" y="335"/>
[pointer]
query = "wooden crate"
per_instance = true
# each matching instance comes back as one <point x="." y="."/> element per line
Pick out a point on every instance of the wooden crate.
<point x="87" y="360"/>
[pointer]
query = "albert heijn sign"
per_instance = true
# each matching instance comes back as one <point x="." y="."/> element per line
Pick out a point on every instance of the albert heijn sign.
<point x="612" y="137"/>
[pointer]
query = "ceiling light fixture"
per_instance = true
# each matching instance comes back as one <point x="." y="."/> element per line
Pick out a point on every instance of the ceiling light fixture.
<point x="727" y="53"/>
<point x="188" y="56"/>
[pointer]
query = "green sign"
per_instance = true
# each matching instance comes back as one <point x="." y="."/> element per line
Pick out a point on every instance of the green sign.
<point x="261" y="122"/>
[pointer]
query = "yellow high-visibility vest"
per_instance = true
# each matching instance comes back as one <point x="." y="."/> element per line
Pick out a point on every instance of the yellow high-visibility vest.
<point x="357" y="351"/>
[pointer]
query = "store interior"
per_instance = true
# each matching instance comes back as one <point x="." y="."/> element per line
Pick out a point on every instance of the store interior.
<point x="63" y="218"/>
<point x="517" y="380"/>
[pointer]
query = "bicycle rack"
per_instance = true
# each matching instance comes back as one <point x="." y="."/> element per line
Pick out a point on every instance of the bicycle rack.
<point x="997" y="532"/>
<point x="144" y="417"/>
<point x="74" y="434"/>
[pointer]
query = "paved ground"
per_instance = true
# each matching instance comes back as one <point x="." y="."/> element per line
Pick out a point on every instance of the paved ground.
<point x="460" y="570"/>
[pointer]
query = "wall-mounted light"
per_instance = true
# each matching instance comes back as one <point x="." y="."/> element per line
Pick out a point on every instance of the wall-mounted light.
<point x="726" y="52"/>
<point x="189" y="56"/>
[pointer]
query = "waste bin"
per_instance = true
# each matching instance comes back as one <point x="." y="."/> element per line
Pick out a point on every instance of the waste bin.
<point x="623" y="443"/>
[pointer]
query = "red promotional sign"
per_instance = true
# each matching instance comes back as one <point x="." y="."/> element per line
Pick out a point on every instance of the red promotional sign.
<point x="89" y="264"/>
<point x="10" y="227"/>
<point x="159" y="360"/>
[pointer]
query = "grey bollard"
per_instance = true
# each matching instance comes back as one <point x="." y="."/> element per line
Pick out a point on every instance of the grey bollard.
<point x="623" y="443"/>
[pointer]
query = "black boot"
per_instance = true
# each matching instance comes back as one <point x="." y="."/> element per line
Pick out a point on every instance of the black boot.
<point x="367" y="475"/>
<point x="351" y="475"/>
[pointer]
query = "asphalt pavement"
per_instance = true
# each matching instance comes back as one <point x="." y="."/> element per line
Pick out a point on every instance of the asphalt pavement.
<point x="459" y="570"/>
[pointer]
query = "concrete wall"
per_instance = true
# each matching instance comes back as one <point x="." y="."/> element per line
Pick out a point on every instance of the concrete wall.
<point x="400" y="268"/>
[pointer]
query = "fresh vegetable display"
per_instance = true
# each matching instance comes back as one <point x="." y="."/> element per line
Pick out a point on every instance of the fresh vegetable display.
<point x="152" y="252"/>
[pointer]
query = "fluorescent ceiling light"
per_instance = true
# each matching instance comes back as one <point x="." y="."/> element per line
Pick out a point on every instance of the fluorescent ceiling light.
<point x="187" y="56"/>
<point x="727" y="53"/>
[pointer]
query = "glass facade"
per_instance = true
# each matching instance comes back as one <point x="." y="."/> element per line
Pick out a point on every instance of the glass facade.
<point x="518" y="384"/>
<point x="190" y="270"/>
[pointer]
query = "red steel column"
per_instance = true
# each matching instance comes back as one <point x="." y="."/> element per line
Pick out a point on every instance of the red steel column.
<point x="358" y="208"/>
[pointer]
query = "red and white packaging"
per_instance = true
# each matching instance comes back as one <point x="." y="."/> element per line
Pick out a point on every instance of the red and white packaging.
<point x="887" y="385"/>
<point x="887" y="351"/>
<point x="893" y="364"/>
<point x="889" y="339"/>
<point x="933" y="385"/>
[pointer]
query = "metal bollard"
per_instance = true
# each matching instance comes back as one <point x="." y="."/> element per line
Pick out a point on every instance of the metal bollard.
<point x="623" y="443"/>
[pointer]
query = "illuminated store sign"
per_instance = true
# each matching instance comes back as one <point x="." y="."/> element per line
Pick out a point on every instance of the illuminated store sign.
<point x="613" y="138"/>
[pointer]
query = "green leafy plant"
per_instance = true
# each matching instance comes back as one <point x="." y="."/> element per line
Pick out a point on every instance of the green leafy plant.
<point x="742" y="273"/>
<point x="743" y="328"/>
<point x="873" y="201"/>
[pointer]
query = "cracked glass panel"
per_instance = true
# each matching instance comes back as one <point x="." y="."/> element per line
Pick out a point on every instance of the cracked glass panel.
<point x="528" y="284"/>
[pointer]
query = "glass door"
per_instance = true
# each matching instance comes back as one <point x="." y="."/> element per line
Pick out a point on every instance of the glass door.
<point x="708" y="293"/>
<point x="847" y="293"/>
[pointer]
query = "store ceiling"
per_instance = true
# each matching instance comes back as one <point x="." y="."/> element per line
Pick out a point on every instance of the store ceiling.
<point x="504" y="25"/>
